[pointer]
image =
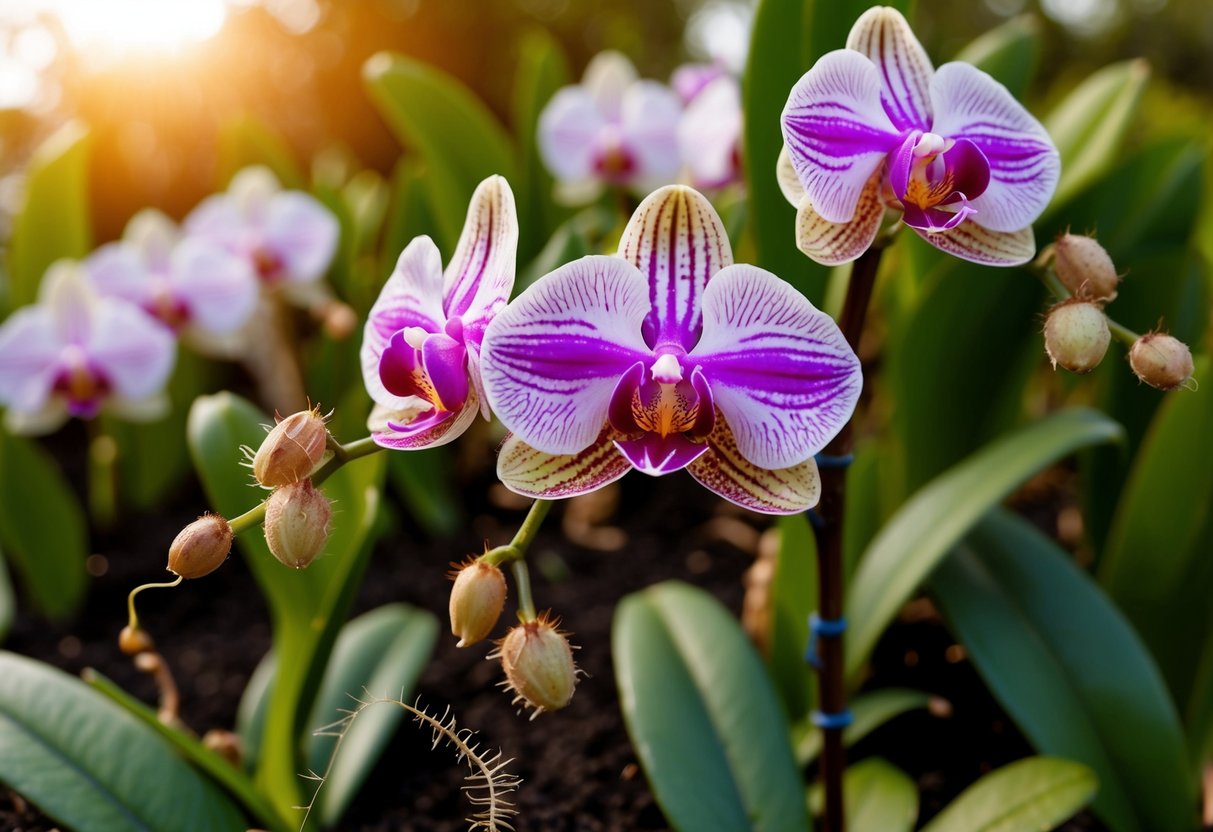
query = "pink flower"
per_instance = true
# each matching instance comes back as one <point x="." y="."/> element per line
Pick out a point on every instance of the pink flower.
<point x="709" y="135"/>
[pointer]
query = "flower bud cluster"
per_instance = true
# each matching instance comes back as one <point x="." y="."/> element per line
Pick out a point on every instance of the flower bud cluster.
<point x="297" y="514"/>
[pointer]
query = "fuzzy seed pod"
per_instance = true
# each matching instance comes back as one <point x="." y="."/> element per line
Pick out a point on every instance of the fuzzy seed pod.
<point x="297" y="523"/>
<point x="538" y="664"/>
<point x="135" y="640"/>
<point x="1076" y="335"/>
<point x="201" y="547"/>
<point x="477" y="599"/>
<point x="1161" y="361"/>
<point x="1084" y="267"/>
<point x="292" y="450"/>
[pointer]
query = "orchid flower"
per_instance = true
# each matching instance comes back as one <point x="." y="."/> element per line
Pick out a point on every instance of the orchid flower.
<point x="613" y="129"/>
<point x="422" y="341"/>
<point x="689" y="80"/>
<point x="709" y="135"/>
<point x="194" y="287"/>
<point x="288" y="237"/>
<point x="74" y="353"/>
<point x="668" y="356"/>
<point x="874" y="126"/>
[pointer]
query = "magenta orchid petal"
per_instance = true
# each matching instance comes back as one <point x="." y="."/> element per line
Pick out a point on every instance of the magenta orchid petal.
<point x="1024" y="164"/>
<point x="689" y="80"/>
<point x="567" y="134"/>
<point x="29" y="348"/>
<point x="533" y="473"/>
<point x="709" y="134"/>
<point x="480" y="277"/>
<point x="445" y="361"/>
<point x="218" y="290"/>
<point x="649" y="132"/>
<point x="429" y="429"/>
<point x="656" y="455"/>
<point x="552" y="358"/>
<point x="402" y="372"/>
<point x="619" y="410"/>
<point x="725" y="471"/>
<point x="676" y="240"/>
<point x="133" y="351"/>
<point x="885" y="38"/>
<point x="972" y="242"/>
<point x="934" y="220"/>
<point x="781" y="371"/>
<point x="302" y="233"/>
<point x="836" y="131"/>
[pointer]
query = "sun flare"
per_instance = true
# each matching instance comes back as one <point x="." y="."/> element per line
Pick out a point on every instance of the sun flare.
<point x="122" y="26"/>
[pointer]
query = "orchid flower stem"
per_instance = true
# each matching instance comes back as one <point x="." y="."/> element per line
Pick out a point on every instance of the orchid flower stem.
<point x="1047" y="276"/>
<point x="102" y="475"/>
<point x="522" y="582"/>
<point x="514" y="553"/>
<point x="132" y="617"/>
<point x="831" y="509"/>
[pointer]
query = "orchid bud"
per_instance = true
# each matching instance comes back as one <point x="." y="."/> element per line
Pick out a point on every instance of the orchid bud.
<point x="1076" y="335"/>
<point x="292" y="450"/>
<point x="135" y="640"/>
<point x="200" y="547"/>
<point x="297" y="523"/>
<point x="538" y="664"/>
<point x="226" y="744"/>
<point x="477" y="599"/>
<point x="1085" y="268"/>
<point x="1161" y="361"/>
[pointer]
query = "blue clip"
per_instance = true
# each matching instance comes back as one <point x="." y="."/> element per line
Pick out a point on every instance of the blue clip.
<point x="828" y="461"/>
<point x="833" y="722"/>
<point x="818" y="627"/>
<point x="815" y="519"/>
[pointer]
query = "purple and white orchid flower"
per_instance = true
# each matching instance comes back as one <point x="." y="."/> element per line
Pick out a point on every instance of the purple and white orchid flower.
<point x="642" y="361"/>
<point x="288" y="237"/>
<point x="196" y="288"/>
<point x="74" y="353"/>
<point x="709" y="135"/>
<point x="874" y="126"/>
<point x="612" y="129"/>
<point x="422" y="341"/>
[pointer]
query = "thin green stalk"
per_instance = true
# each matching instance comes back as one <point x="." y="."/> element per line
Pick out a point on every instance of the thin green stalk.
<point x="522" y="582"/>
<point x="516" y="549"/>
<point x="102" y="475"/>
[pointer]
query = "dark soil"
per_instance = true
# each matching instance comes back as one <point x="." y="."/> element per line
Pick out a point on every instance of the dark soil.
<point x="578" y="768"/>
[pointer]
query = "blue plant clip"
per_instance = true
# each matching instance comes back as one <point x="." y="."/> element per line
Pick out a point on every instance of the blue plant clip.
<point x="818" y="627"/>
<point x="833" y="722"/>
<point x="828" y="461"/>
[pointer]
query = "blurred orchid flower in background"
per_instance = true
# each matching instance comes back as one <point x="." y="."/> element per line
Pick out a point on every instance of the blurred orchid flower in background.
<point x="422" y="340"/>
<point x="874" y="126"/>
<point x="612" y="129"/>
<point x="642" y="361"/>
<point x="689" y="80"/>
<point x="74" y="353"/>
<point x="196" y="288"/>
<point x="288" y="237"/>
<point x="709" y="135"/>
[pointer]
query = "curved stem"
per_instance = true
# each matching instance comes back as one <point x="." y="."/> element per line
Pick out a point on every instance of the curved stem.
<point x="516" y="549"/>
<point x="132" y="617"/>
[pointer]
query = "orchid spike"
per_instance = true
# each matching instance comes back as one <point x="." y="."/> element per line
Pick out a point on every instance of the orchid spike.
<point x="668" y="356"/>
<point x="194" y="287"/>
<point x="612" y="129"/>
<point x="875" y="126"/>
<point x="422" y="341"/>
<point x="74" y="353"/>
<point x="288" y="237"/>
<point x="709" y="135"/>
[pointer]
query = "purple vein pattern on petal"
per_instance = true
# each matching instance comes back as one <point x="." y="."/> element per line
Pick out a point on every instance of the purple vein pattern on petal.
<point x="970" y="241"/>
<point x="551" y="359"/>
<point x="428" y="430"/>
<point x="1024" y="164"/>
<point x="836" y="131"/>
<point x="834" y="243"/>
<point x="677" y="241"/>
<point x="412" y="296"/>
<point x="884" y="36"/>
<point x="781" y="372"/>
<point x="526" y="470"/>
<point x="480" y="276"/>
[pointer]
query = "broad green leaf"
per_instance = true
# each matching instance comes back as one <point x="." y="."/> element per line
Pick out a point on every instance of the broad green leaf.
<point x="703" y="717"/>
<point x="461" y="142"/>
<point x="793" y="595"/>
<point x="381" y="653"/>
<point x="583" y="233"/>
<point x="1009" y="52"/>
<point x="1156" y="565"/>
<point x="409" y="215"/>
<point x="1089" y="124"/>
<point x="307" y="606"/>
<point x="864" y="508"/>
<point x="870" y="711"/>
<point x="1025" y="796"/>
<point x="89" y="764"/>
<point x="775" y="64"/>
<point x="1069" y="670"/>
<point x="247" y="141"/>
<point x="52" y="221"/>
<point x="42" y="527"/>
<point x="8" y="600"/>
<point x="828" y="22"/>
<point x="939" y="514"/>
<point x="877" y="796"/>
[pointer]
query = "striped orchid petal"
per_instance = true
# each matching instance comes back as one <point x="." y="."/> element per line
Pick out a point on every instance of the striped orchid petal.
<point x="552" y="358"/>
<point x="835" y="243"/>
<point x="428" y="429"/>
<point x="837" y="132"/>
<point x="885" y="38"/>
<point x="533" y="473"/>
<point x="780" y="371"/>
<point x="677" y="241"/>
<point x="789" y="182"/>
<point x="480" y="277"/>
<point x="725" y="471"/>
<point x="969" y="241"/>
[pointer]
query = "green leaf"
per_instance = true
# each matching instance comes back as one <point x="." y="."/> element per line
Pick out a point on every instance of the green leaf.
<point x="1090" y="123"/>
<point x="424" y="481"/>
<point x="877" y="796"/>
<point x="461" y="142"/>
<point x="89" y="764"/>
<point x="8" y="600"/>
<point x="381" y="653"/>
<point x="247" y="141"/>
<point x="702" y="715"/>
<point x="308" y="606"/>
<point x="870" y="711"/>
<point x="409" y="216"/>
<point x="1009" y="52"/>
<point x="42" y="527"/>
<point x="793" y="597"/>
<point x="52" y="221"/>
<point x="923" y="530"/>
<point x="1025" y="796"/>
<point x="828" y="22"/>
<point x="1069" y="670"/>
<point x="581" y="234"/>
